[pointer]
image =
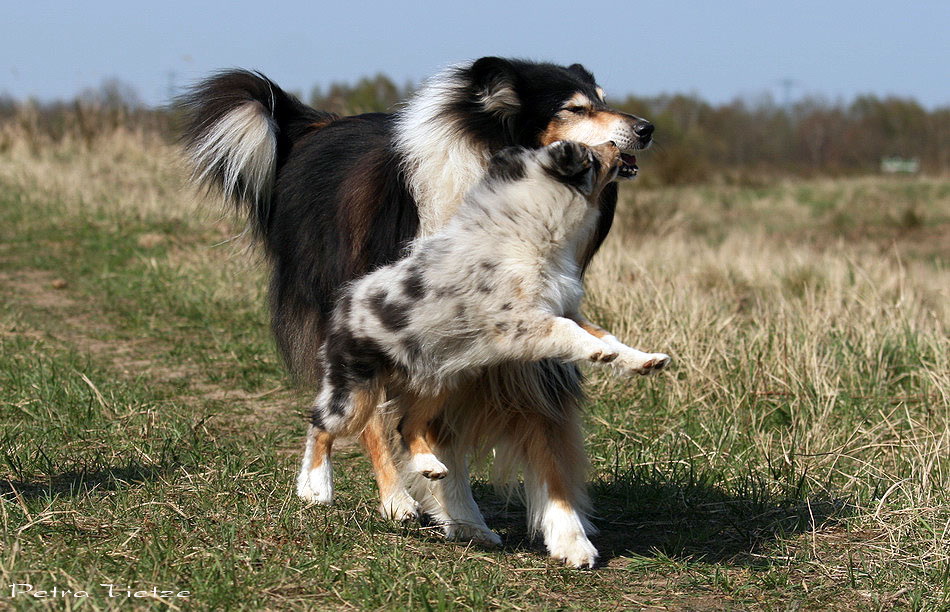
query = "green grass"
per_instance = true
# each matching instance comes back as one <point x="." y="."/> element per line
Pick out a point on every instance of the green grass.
<point x="795" y="457"/>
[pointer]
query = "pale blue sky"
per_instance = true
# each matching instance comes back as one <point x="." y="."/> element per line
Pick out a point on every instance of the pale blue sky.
<point x="718" y="50"/>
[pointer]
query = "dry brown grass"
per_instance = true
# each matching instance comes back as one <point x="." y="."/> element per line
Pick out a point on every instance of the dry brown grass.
<point x="847" y="336"/>
<point x="123" y="170"/>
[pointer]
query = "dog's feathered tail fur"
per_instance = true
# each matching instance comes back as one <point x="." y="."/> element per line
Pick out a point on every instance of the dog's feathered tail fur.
<point x="240" y="128"/>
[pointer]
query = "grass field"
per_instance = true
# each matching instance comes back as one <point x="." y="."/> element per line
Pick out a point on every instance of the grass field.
<point x="797" y="455"/>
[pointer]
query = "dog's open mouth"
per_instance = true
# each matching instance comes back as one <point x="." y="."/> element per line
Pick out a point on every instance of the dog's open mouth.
<point x="628" y="166"/>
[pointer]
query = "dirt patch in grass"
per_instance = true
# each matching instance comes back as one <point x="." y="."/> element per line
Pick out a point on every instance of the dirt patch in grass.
<point x="64" y="318"/>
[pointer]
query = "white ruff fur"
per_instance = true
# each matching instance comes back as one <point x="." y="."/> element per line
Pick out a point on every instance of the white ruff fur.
<point x="440" y="161"/>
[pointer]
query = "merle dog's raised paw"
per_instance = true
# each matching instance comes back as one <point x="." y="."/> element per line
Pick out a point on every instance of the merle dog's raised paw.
<point x="570" y="158"/>
<point x="657" y="362"/>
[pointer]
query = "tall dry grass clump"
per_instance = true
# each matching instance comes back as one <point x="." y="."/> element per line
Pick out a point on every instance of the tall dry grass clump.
<point x="104" y="158"/>
<point x="803" y="358"/>
<point x="128" y="172"/>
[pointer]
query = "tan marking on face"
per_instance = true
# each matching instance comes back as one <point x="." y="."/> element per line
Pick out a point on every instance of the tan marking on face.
<point x="578" y="99"/>
<point x="606" y="119"/>
<point x="601" y="94"/>
<point x="590" y="128"/>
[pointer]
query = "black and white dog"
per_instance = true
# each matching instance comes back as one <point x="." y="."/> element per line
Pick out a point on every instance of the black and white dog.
<point x="332" y="198"/>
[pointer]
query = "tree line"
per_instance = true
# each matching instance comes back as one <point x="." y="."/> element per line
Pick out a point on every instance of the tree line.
<point x="696" y="141"/>
<point x="812" y="136"/>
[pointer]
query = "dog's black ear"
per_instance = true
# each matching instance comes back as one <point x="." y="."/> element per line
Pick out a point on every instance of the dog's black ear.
<point x="582" y="72"/>
<point x="494" y="80"/>
<point x="572" y="163"/>
<point x="508" y="164"/>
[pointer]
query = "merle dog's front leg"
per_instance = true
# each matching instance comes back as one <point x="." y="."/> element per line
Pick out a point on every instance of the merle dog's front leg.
<point x="628" y="358"/>
<point x="544" y="336"/>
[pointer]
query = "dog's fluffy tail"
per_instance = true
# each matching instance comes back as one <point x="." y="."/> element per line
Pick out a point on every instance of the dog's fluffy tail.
<point x="239" y="129"/>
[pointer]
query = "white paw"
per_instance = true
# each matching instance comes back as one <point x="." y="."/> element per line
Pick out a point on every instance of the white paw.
<point x="574" y="550"/>
<point x="427" y="465"/>
<point x="316" y="486"/>
<point x="565" y="537"/>
<point x="468" y="532"/>
<point x="637" y="362"/>
<point x="399" y="507"/>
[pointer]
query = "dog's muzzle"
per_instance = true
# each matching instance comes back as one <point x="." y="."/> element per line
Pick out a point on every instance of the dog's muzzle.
<point x="643" y="137"/>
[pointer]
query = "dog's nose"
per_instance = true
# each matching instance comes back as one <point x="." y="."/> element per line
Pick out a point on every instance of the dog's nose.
<point x="643" y="129"/>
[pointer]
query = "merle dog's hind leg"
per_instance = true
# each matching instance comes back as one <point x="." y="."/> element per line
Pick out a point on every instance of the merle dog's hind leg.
<point x="449" y="501"/>
<point x="417" y="437"/>
<point x="395" y="502"/>
<point x="334" y="413"/>
<point x="315" y="482"/>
